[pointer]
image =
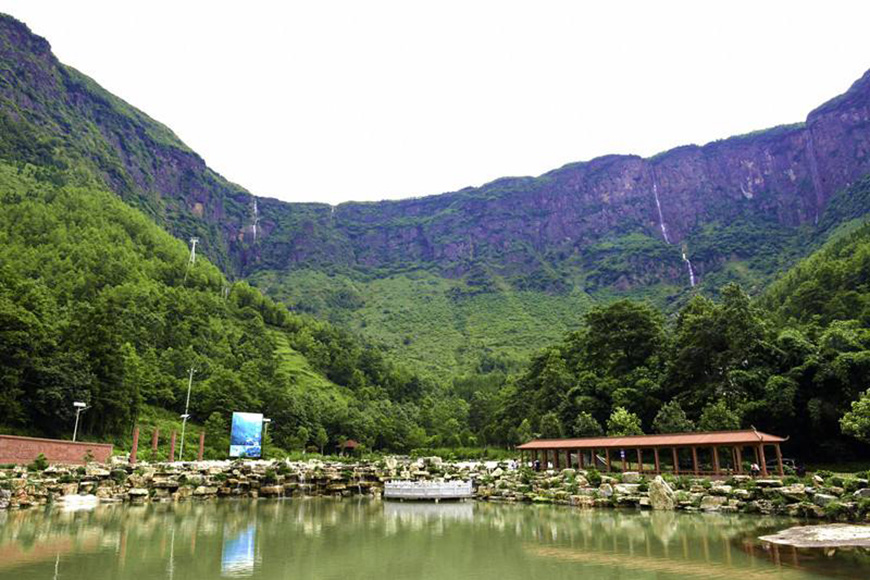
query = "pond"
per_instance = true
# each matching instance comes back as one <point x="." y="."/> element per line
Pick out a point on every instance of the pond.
<point x="329" y="538"/>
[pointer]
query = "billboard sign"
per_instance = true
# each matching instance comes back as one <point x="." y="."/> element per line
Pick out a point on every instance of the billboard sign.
<point x="247" y="435"/>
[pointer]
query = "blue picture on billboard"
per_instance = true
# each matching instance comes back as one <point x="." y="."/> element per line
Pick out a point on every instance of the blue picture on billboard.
<point x="247" y="435"/>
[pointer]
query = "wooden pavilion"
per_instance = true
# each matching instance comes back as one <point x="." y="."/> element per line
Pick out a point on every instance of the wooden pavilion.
<point x="712" y="453"/>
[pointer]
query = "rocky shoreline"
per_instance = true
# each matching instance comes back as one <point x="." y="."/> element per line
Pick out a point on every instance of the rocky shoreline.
<point x="833" y="498"/>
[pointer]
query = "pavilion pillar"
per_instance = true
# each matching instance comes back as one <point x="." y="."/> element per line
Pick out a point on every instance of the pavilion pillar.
<point x="135" y="445"/>
<point x="202" y="447"/>
<point x="568" y="458"/>
<point x="715" y="460"/>
<point x="172" y="448"/>
<point x="622" y="454"/>
<point x="639" y="460"/>
<point x="607" y="458"/>
<point x="757" y="457"/>
<point x="779" y="460"/>
<point x="580" y="458"/>
<point x="695" y="459"/>
<point x="154" y="438"/>
<point x="656" y="453"/>
<point x="555" y="459"/>
<point x="763" y="461"/>
<point x="676" y="461"/>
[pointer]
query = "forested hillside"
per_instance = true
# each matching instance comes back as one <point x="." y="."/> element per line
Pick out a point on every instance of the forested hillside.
<point x="98" y="304"/>
<point x="794" y="362"/>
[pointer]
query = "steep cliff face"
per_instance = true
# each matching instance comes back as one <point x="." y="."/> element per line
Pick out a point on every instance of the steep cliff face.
<point x="140" y="159"/>
<point x="784" y="175"/>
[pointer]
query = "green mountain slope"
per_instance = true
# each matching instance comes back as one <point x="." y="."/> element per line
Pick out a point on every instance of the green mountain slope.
<point x="98" y="304"/>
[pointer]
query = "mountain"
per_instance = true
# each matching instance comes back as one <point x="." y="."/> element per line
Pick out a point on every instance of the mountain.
<point x="483" y="276"/>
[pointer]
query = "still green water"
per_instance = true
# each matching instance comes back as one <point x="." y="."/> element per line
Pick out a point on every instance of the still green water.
<point x="327" y="538"/>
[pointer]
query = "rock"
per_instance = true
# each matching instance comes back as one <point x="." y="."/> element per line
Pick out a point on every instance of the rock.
<point x="823" y="499"/>
<point x="768" y="482"/>
<point x="626" y="488"/>
<point x="823" y="536"/>
<point x="95" y="471"/>
<point x="721" y="489"/>
<point x="272" y="490"/>
<point x="204" y="490"/>
<point x="796" y="492"/>
<point x="661" y="496"/>
<point x="582" y="501"/>
<point x="137" y="492"/>
<point x="818" y="480"/>
<point x="605" y="490"/>
<point x="712" y="503"/>
<point x="631" y="477"/>
<point x="862" y="493"/>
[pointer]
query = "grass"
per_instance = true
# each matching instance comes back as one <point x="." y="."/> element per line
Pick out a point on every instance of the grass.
<point x="418" y="318"/>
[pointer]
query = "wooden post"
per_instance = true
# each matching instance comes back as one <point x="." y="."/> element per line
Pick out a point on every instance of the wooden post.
<point x="639" y="460"/>
<point x="715" y="460"/>
<point x="763" y="461"/>
<point x="779" y="460"/>
<point x="135" y="445"/>
<point x="172" y="447"/>
<point x="556" y="459"/>
<point x="695" y="459"/>
<point x="622" y="453"/>
<point x="676" y="461"/>
<point x="607" y="457"/>
<point x="580" y="460"/>
<point x="154" y="439"/>
<point x="656" y="453"/>
<point x="202" y="446"/>
<point x="568" y="458"/>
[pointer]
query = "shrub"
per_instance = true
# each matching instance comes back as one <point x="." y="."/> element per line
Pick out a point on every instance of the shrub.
<point x="835" y="510"/>
<point x="270" y="477"/>
<point x="39" y="464"/>
<point x="593" y="477"/>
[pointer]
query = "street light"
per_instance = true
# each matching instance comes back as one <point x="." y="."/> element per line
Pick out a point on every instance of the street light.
<point x="186" y="415"/>
<point x="80" y="408"/>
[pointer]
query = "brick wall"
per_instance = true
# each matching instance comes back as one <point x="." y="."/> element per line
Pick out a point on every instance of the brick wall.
<point x="22" y="450"/>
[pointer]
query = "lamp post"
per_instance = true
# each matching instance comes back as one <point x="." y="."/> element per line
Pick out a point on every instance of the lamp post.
<point x="80" y="408"/>
<point x="186" y="415"/>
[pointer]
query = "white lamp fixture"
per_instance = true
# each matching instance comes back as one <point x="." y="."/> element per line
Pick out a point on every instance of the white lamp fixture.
<point x="80" y="408"/>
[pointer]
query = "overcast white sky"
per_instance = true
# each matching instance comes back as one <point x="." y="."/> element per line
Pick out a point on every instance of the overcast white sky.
<point x="365" y="100"/>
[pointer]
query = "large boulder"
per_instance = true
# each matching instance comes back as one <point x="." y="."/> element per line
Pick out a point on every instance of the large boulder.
<point x="823" y="499"/>
<point x="605" y="490"/>
<point x="712" y="503"/>
<point x="631" y="477"/>
<point x="661" y="496"/>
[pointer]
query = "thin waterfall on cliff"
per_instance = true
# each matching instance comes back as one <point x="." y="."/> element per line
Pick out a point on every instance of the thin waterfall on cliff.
<point x="661" y="216"/>
<point x="691" y="270"/>
<point x="256" y="219"/>
<point x="665" y="233"/>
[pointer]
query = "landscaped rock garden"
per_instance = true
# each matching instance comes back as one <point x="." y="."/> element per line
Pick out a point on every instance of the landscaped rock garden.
<point x="824" y="495"/>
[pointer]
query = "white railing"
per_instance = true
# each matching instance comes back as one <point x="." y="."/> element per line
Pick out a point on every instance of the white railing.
<point x="428" y="490"/>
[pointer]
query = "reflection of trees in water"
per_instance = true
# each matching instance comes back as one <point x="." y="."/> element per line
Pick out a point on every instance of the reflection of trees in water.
<point x="320" y="537"/>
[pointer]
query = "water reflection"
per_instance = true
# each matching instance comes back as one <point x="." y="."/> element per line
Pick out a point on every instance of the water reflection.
<point x="327" y="538"/>
<point x="238" y="552"/>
